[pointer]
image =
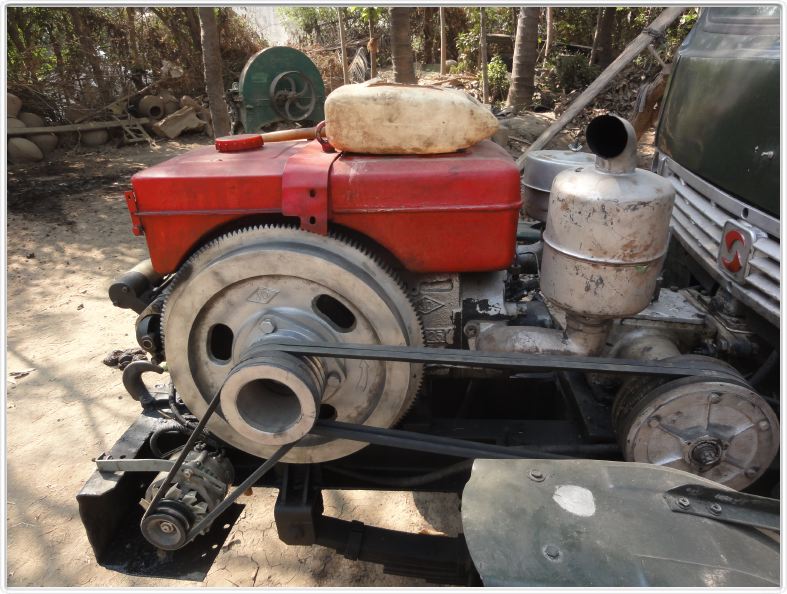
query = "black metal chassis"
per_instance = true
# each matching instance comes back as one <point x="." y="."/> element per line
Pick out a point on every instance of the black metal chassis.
<point x="427" y="452"/>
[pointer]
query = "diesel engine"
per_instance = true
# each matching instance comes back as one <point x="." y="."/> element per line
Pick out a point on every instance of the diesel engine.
<point x="306" y="301"/>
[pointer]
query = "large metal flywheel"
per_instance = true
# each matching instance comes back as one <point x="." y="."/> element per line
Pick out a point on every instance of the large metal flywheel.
<point x="260" y="285"/>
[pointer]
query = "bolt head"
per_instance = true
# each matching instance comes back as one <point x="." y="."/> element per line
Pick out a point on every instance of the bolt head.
<point x="654" y="422"/>
<point x="715" y="509"/>
<point x="536" y="475"/>
<point x="684" y="502"/>
<point x="187" y="473"/>
<point x="552" y="552"/>
<point x="267" y="326"/>
<point x="333" y="380"/>
<point x="167" y="527"/>
<point x="763" y="425"/>
<point x="715" y="398"/>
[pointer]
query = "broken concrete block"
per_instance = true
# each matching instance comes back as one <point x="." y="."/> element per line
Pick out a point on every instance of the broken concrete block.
<point x="174" y="125"/>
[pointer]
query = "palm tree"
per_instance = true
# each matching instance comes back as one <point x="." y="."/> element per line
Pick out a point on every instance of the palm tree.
<point x="520" y="93"/>
<point x="401" y="50"/>
<point x="214" y="80"/>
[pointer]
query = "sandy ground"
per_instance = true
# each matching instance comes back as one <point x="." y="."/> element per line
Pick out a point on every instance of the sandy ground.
<point x="69" y="236"/>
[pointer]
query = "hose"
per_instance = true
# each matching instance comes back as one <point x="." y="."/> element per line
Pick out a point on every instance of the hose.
<point x="764" y="369"/>
<point x="168" y="427"/>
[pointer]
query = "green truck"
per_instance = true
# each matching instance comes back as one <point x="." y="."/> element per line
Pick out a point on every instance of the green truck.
<point x="718" y="143"/>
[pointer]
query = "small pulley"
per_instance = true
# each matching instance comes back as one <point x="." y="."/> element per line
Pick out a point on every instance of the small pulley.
<point x="716" y="427"/>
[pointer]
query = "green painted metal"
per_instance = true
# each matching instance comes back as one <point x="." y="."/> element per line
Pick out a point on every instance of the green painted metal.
<point x="280" y="84"/>
<point x="721" y="114"/>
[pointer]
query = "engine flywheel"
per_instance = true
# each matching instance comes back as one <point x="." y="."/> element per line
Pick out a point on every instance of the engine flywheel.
<point x="260" y="285"/>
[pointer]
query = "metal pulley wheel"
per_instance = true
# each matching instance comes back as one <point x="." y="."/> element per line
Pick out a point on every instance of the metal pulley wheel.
<point x="718" y="428"/>
<point x="262" y="285"/>
<point x="292" y="96"/>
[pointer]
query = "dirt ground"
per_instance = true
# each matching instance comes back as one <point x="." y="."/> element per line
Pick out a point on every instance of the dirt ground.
<point x="69" y="235"/>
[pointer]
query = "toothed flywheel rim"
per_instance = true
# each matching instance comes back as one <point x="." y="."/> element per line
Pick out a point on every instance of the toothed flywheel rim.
<point x="260" y="284"/>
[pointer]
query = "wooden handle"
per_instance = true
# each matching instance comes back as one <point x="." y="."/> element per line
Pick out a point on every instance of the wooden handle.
<point x="296" y="134"/>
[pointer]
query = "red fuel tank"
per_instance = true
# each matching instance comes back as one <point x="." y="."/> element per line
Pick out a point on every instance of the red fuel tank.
<point x="435" y="213"/>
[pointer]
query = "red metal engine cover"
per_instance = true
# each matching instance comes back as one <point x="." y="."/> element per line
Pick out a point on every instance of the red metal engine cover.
<point x="436" y="213"/>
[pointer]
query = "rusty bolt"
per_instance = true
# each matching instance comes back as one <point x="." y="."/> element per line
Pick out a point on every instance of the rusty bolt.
<point x="684" y="502"/>
<point x="536" y="475"/>
<point x="715" y="509"/>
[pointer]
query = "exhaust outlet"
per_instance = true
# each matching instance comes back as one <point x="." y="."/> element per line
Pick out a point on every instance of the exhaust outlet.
<point x="614" y="142"/>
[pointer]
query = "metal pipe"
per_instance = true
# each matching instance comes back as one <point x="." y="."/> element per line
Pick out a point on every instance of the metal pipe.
<point x="582" y="336"/>
<point x="614" y="142"/>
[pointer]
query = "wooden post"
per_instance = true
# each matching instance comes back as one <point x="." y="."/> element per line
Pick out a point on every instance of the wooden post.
<point x="484" y="74"/>
<point x="632" y="50"/>
<point x="442" y="40"/>
<point x="342" y="43"/>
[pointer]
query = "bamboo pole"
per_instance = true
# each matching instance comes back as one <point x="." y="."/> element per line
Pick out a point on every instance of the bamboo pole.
<point x="632" y="50"/>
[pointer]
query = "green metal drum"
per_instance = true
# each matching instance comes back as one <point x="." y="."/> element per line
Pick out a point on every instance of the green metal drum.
<point x="280" y="85"/>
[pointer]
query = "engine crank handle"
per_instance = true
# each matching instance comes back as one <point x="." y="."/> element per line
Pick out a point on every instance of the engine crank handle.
<point x="192" y="440"/>
<point x="239" y="490"/>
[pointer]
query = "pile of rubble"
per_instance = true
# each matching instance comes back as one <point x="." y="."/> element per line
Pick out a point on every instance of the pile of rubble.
<point x="137" y="117"/>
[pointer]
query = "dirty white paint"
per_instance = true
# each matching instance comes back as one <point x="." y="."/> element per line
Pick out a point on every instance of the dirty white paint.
<point x="575" y="499"/>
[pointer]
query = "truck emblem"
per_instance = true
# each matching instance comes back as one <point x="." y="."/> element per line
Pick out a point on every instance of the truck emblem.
<point x="735" y="250"/>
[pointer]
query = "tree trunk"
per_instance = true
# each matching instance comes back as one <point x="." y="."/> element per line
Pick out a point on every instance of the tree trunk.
<point x="343" y="44"/>
<point x="83" y="36"/>
<point x="401" y="49"/>
<point x="195" y="27"/>
<point x="550" y="33"/>
<point x="442" y="41"/>
<point x="214" y="80"/>
<point x="520" y="93"/>
<point x="429" y="36"/>
<point x="602" y="41"/>
<point x="372" y="45"/>
<point x="482" y="51"/>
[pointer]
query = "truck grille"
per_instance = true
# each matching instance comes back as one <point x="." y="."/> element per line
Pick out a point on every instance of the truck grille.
<point x="698" y="218"/>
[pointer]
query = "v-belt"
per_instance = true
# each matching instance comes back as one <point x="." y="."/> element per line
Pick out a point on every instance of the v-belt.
<point x="505" y="361"/>
<point x="414" y="441"/>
